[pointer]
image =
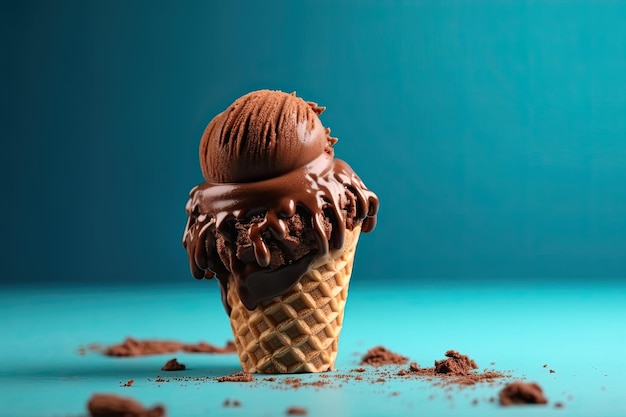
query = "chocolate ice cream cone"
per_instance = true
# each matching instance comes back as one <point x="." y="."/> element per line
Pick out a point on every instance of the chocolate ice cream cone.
<point x="277" y="223"/>
<point x="299" y="330"/>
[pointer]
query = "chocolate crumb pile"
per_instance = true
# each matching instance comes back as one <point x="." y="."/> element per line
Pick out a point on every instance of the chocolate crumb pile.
<point x="109" y="405"/>
<point x="379" y="355"/>
<point x="296" y="411"/>
<point x="519" y="392"/>
<point x="173" y="365"/>
<point x="134" y="347"/>
<point x="455" y="363"/>
<point x="455" y="369"/>
<point x="236" y="377"/>
<point x="203" y="347"/>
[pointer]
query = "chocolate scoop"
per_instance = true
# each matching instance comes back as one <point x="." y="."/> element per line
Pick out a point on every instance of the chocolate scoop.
<point x="262" y="135"/>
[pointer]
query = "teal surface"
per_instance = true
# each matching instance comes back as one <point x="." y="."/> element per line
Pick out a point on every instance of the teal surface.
<point x="577" y="331"/>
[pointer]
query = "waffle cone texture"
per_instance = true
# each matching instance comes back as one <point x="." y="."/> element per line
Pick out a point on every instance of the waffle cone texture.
<point x="298" y="331"/>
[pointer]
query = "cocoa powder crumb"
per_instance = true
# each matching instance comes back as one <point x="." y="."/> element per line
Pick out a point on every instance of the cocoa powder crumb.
<point x="414" y="367"/>
<point x="92" y="347"/>
<point x="379" y="355"/>
<point x="522" y="393"/>
<point x="552" y="371"/>
<point x="173" y="365"/>
<point x="236" y="377"/>
<point x="358" y="370"/>
<point x="129" y="383"/>
<point x="109" y="405"/>
<point x="296" y="411"/>
<point x="231" y="403"/>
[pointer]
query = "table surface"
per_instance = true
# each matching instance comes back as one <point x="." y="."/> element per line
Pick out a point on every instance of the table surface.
<point x="577" y="330"/>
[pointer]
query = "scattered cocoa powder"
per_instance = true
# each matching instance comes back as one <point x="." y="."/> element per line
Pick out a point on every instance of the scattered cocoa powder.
<point x="109" y="405"/>
<point x="297" y="411"/>
<point x="173" y="365"/>
<point x="159" y="379"/>
<point x="522" y="393"/>
<point x="134" y="347"/>
<point x="236" y="377"/>
<point x="454" y="370"/>
<point x="129" y="383"/>
<point x="92" y="347"/>
<point x="379" y="355"/>
<point x="293" y="382"/>
<point x="296" y="383"/>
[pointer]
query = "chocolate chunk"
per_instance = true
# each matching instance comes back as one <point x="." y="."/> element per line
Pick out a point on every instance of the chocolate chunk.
<point x="173" y="365"/>
<point x="109" y="405"/>
<point x="522" y="393"/>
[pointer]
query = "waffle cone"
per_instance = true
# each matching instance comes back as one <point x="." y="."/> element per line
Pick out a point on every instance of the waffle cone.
<point x="299" y="330"/>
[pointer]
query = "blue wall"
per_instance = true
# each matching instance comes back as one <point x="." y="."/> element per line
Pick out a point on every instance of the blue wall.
<point x="493" y="132"/>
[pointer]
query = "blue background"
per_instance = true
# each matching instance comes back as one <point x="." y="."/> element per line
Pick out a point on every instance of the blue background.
<point x="493" y="132"/>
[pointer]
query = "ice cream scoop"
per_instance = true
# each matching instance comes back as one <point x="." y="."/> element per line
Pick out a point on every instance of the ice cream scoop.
<point x="263" y="134"/>
<point x="277" y="222"/>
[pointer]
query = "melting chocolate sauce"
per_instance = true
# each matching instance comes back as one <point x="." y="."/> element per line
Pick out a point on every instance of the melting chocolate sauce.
<point x="318" y="189"/>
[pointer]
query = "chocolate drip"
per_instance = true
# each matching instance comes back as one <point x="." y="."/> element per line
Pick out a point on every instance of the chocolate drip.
<point x="320" y="191"/>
